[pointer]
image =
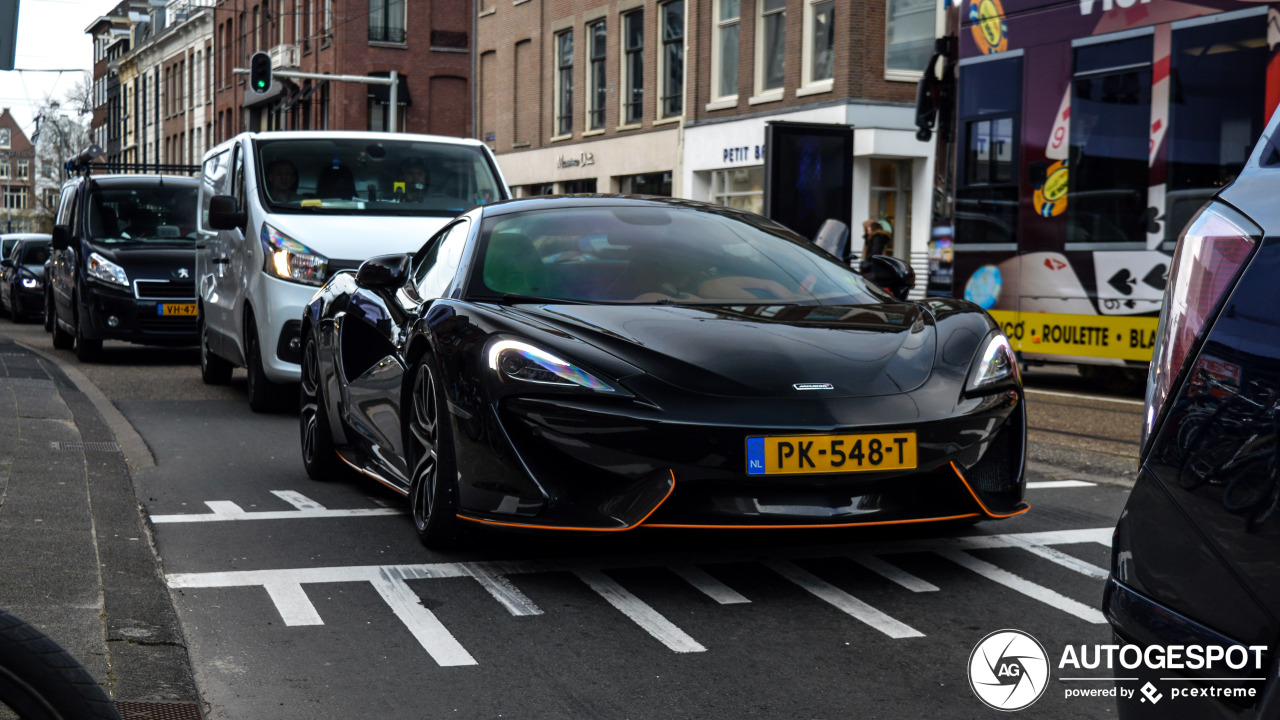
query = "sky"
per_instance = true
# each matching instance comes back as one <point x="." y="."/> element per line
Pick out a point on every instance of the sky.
<point x="50" y="35"/>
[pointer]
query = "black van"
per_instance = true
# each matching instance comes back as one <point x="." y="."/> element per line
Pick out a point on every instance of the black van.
<point x="123" y="262"/>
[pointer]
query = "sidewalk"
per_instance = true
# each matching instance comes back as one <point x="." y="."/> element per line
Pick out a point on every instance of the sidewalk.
<point x="77" y="561"/>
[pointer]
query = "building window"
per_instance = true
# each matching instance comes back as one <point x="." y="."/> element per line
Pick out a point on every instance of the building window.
<point x="4" y="169"/>
<point x="740" y="188"/>
<point x="564" y="83"/>
<point x="819" y="41"/>
<point x="891" y="201"/>
<point x="15" y="198"/>
<point x="4" y="137"/>
<point x="535" y="190"/>
<point x="909" y="28"/>
<point x="23" y="169"/>
<point x="50" y="199"/>
<point x="599" y="92"/>
<point x="633" y="67"/>
<point x="771" y="39"/>
<point x="724" y="50"/>
<point x="574" y="187"/>
<point x="386" y="21"/>
<point x="658" y="184"/>
<point x="672" y="58"/>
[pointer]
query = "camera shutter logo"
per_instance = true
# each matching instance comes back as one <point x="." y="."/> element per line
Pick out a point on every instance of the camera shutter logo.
<point x="1008" y="670"/>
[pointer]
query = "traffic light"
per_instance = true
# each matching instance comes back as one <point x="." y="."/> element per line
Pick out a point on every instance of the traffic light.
<point x="260" y="72"/>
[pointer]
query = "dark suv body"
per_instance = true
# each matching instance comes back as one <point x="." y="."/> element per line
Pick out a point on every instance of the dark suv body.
<point x="123" y="262"/>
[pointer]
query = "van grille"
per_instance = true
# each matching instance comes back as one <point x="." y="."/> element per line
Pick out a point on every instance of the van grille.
<point x="164" y="289"/>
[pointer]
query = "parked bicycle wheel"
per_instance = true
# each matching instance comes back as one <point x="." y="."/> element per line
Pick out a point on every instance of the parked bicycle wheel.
<point x="41" y="681"/>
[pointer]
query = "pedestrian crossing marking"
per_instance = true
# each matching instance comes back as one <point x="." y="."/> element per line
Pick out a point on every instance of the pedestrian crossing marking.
<point x="304" y="507"/>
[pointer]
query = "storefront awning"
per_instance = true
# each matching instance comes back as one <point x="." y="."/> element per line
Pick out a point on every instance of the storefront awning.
<point x="381" y="94"/>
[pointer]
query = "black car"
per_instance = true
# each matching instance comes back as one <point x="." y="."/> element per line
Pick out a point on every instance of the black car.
<point x="123" y="264"/>
<point x="22" y="278"/>
<point x="1196" y="553"/>
<point x="598" y="363"/>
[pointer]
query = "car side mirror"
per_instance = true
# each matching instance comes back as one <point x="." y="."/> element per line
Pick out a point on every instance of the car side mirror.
<point x="224" y="213"/>
<point x="833" y="237"/>
<point x="385" y="272"/>
<point x="895" y="276"/>
<point x="61" y="238"/>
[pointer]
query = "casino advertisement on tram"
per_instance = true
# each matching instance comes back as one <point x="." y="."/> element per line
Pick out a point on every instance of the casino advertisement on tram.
<point x="1082" y="137"/>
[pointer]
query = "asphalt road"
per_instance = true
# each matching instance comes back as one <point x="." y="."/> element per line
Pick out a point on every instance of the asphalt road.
<point x="304" y="600"/>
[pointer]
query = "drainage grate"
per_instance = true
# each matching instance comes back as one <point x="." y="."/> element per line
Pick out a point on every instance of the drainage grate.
<point x="158" y="710"/>
<point x="109" y="447"/>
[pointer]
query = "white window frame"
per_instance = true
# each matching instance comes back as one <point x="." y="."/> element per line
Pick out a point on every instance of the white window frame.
<point x="661" y="80"/>
<point x="557" y="89"/>
<point x="722" y="101"/>
<point x="898" y="74"/>
<point x="807" y="84"/>
<point x="761" y="95"/>
<point x="624" y="94"/>
<point x="4" y="137"/>
<point x="24" y="169"/>
<point x="592" y="108"/>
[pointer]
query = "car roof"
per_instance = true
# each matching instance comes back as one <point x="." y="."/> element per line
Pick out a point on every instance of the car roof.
<point x="359" y="135"/>
<point x="134" y="179"/>
<point x="25" y="236"/>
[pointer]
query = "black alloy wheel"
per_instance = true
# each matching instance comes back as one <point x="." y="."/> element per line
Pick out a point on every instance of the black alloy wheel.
<point x="319" y="456"/>
<point x="265" y="396"/>
<point x="214" y="369"/>
<point x="433" y="493"/>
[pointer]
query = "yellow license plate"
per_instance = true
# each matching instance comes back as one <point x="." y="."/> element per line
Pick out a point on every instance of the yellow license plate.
<point x="181" y="309"/>
<point x="797" y="454"/>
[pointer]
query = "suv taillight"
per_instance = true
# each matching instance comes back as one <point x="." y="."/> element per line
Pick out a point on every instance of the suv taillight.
<point x="1210" y="253"/>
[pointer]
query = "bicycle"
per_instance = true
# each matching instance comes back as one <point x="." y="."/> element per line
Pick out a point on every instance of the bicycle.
<point x="41" y="681"/>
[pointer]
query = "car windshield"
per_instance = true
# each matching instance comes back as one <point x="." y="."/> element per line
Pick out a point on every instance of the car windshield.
<point x="34" y="253"/>
<point x="6" y="246"/>
<point x="152" y="213"/>
<point x="657" y="255"/>
<point x="386" y="177"/>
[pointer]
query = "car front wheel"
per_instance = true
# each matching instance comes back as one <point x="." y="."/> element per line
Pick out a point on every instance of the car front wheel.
<point x="318" y="454"/>
<point x="433" y="493"/>
<point x="214" y="370"/>
<point x="264" y="395"/>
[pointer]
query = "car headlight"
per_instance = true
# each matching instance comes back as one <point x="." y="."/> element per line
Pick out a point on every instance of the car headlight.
<point x="31" y="283"/>
<point x="515" y="360"/>
<point x="995" y="363"/>
<point x="107" y="271"/>
<point x="289" y="259"/>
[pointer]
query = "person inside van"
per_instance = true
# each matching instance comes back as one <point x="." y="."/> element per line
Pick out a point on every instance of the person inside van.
<point x="282" y="180"/>
<point x="413" y="171"/>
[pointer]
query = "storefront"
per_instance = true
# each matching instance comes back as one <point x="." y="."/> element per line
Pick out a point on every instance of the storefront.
<point x="892" y="171"/>
<point x="636" y="164"/>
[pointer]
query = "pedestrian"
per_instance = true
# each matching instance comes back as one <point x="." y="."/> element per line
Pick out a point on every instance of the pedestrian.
<point x="877" y="239"/>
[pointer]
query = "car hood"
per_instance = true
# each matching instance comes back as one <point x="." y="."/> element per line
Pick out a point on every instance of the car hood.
<point x="152" y="262"/>
<point x="762" y="351"/>
<point x="357" y="237"/>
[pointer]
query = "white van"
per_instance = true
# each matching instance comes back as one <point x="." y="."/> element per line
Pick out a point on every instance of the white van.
<point x="283" y="211"/>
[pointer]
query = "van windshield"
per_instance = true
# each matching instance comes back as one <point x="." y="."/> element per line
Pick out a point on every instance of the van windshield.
<point x="383" y="177"/>
<point x="152" y="213"/>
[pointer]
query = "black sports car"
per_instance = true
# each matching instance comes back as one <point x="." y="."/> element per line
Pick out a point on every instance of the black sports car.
<point x="596" y="363"/>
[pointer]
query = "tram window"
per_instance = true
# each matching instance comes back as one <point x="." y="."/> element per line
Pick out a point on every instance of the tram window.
<point x="1110" y="137"/>
<point x="1216" y="102"/>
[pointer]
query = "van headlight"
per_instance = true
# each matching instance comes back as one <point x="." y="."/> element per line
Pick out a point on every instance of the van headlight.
<point x="103" y="269"/>
<point x="288" y="259"/>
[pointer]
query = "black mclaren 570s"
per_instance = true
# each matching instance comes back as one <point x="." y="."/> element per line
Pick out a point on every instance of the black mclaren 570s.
<point x="597" y="364"/>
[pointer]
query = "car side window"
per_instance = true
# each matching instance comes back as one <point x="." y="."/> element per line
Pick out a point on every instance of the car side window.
<point x="215" y="180"/>
<point x="237" y="178"/>
<point x="66" y="207"/>
<point x="440" y="265"/>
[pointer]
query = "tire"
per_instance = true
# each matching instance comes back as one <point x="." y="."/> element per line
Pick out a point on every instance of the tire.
<point x="39" y="680"/>
<point x="62" y="340"/>
<point x="265" y="396"/>
<point x="15" y="310"/>
<point x="433" y="492"/>
<point x="214" y="369"/>
<point x="48" y="310"/>
<point x="87" y="349"/>
<point x="319" y="456"/>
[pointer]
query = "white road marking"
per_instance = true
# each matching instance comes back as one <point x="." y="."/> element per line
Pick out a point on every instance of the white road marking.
<point x="502" y="590"/>
<point x="425" y="626"/>
<point x="225" y="510"/>
<point x="662" y="629"/>
<point x="1049" y="597"/>
<point x="1057" y="556"/>
<point x="1047" y="484"/>
<point x="292" y="603"/>
<point x="894" y="573"/>
<point x="1100" y="398"/>
<point x="711" y="587"/>
<point x="842" y="600"/>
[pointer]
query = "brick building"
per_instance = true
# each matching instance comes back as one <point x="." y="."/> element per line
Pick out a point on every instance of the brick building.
<point x="428" y="44"/>
<point x="17" y="176"/>
<point x="111" y="41"/>
<point x="672" y="96"/>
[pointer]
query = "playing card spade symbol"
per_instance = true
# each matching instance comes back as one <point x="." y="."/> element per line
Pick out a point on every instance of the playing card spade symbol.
<point x="1123" y="282"/>
<point x="1158" y="277"/>
<point x="1151" y="218"/>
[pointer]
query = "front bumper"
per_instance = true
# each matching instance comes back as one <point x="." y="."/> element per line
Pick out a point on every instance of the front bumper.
<point x="137" y="320"/>
<point x="549" y="465"/>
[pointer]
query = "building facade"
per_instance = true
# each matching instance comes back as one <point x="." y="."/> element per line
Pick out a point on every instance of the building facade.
<point x="111" y="41"/>
<point x="427" y="44"/>
<point x="672" y="97"/>
<point x="17" y="176"/>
